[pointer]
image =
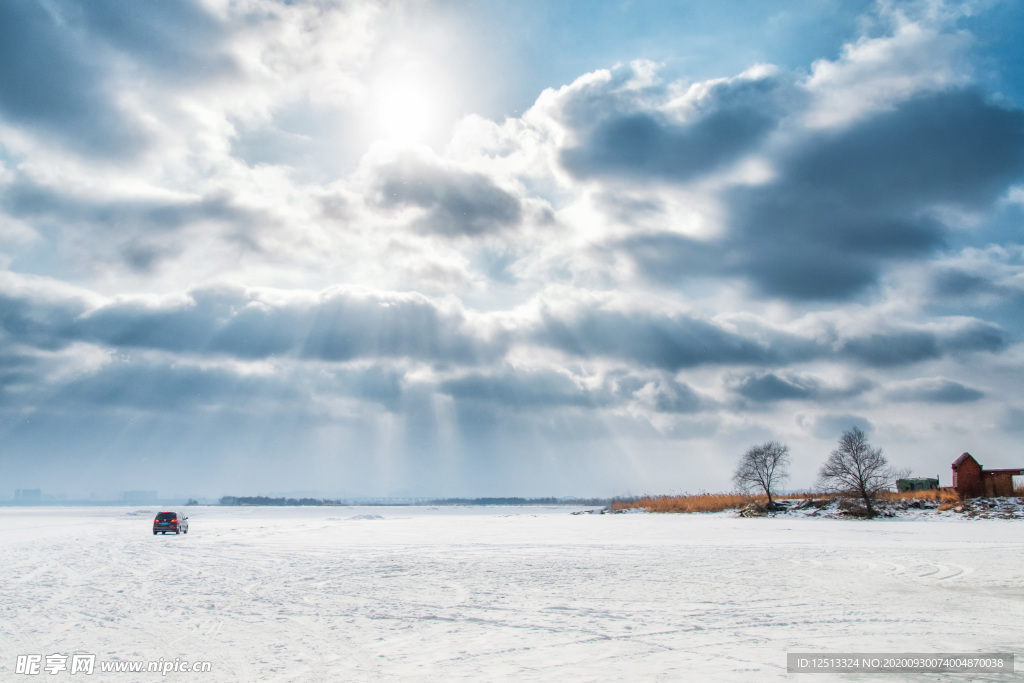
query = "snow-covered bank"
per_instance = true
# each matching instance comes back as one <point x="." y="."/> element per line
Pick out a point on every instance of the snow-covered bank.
<point x="839" y="508"/>
<point x="308" y="594"/>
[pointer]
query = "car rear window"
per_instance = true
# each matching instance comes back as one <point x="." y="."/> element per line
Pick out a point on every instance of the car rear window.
<point x="165" y="516"/>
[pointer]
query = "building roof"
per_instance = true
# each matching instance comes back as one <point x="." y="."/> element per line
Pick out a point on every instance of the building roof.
<point x="963" y="458"/>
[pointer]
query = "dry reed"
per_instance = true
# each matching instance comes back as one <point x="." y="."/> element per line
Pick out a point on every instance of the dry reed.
<point x="943" y="495"/>
<point x="702" y="502"/>
<point x="716" y="502"/>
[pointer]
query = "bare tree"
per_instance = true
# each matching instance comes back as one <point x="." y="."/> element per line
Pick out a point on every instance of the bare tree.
<point x="856" y="468"/>
<point x="762" y="467"/>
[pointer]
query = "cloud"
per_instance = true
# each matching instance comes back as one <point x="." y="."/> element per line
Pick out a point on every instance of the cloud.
<point x="50" y="83"/>
<point x="180" y="41"/>
<point x="835" y="207"/>
<point x="770" y="387"/>
<point x="671" y="342"/>
<point x="913" y="345"/>
<point x="539" y="388"/>
<point x="635" y="262"/>
<point x="720" y="121"/>
<point x="662" y="394"/>
<point x="876" y="73"/>
<point x="953" y="282"/>
<point x="522" y="388"/>
<point x="140" y="231"/>
<point x="951" y="148"/>
<point x="165" y="386"/>
<point x="830" y="426"/>
<point x="456" y="202"/>
<point x="155" y="383"/>
<point x="19" y="371"/>
<point x="933" y="390"/>
<point x="679" y="341"/>
<point x="338" y="324"/>
<point x="844" y="205"/>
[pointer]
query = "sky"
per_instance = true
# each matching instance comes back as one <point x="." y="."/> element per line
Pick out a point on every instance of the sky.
<point x="454" y="248"/>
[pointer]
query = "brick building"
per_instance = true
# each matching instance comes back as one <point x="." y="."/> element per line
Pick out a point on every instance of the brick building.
<point x="970" y="479"/>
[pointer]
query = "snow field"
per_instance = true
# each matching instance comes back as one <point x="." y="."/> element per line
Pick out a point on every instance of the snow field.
<point x="525" y="594"/>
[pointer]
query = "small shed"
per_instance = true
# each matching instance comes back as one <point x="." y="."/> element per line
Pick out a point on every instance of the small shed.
<point x="903" y="485"/>
<point x="971" y="479"/>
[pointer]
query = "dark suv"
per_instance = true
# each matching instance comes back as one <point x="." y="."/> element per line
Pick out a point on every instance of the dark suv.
<point x="170" y="521"/>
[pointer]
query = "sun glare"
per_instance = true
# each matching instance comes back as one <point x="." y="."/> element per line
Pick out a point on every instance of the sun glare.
<point x="404" y="106"/>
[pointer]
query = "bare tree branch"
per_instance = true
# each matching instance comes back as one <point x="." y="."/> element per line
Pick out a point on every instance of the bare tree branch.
<point x="762" y="467"/>
<point x="855" y="468"/>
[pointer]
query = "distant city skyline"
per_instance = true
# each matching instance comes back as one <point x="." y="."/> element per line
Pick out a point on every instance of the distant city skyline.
<point x="440" y="249"/>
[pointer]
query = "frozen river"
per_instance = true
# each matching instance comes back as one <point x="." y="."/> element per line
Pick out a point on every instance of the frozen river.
<point x="440" y="594"/>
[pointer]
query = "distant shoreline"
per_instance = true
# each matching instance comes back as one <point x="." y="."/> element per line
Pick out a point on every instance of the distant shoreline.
<point x="303" y="502"/>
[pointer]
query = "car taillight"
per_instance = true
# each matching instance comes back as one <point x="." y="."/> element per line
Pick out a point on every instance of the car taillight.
<point x="174" y="521"/>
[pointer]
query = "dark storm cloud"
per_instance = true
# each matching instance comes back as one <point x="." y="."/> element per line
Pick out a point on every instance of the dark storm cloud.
<point x="845" y="204"/>
<point x="337" y="325"/>
<point x="934" y="391"/>
<point x="457" y="202"/>
<point x="728" y="120"/>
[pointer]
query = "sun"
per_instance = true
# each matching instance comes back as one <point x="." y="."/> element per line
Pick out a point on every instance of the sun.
<point x="404" y="105"/>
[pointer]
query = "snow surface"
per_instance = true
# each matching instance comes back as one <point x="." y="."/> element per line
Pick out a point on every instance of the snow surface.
<point x="498" y="593"/>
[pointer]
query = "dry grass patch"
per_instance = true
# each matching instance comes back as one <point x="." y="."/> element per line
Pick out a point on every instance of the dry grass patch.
<point x="716" y="502"/>
<point x="942" y="496"/>
<point x="701" y="502"/>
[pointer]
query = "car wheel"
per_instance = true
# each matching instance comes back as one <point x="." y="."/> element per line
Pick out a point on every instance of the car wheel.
<point x="154" y="532"/>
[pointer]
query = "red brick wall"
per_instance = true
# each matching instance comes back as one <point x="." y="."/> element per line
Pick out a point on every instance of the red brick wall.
<point x="998" y="484"/>
<point x="967" y="479"/>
